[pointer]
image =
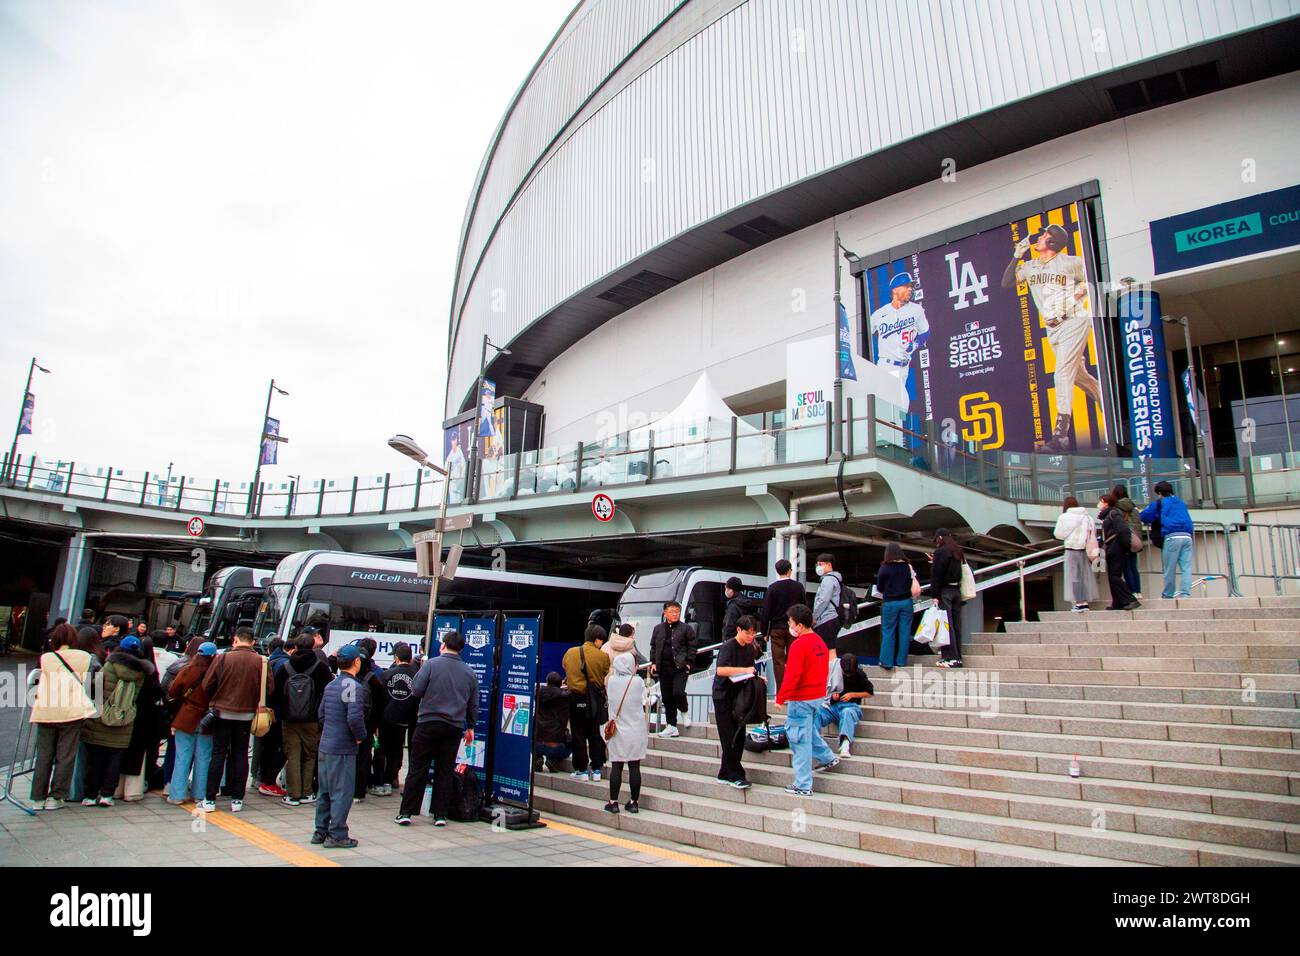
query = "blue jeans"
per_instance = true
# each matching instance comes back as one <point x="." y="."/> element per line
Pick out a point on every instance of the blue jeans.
<point x="1177" y="555"/>
<point x="192" y="751"/>
<point x="806" y="742"/>
<point x="337" y="776"/>
<point x="895" y="632"/>
<point x="1133" y="577"/>
<point x="845" y="714"/>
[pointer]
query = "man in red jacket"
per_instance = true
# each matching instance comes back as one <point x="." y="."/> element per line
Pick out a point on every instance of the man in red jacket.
<point x="802" y="692"/>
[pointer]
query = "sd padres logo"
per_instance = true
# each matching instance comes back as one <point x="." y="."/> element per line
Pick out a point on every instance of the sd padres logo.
<point x="985" y="417"/>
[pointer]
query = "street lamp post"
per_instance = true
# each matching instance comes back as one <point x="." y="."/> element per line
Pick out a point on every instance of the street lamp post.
<point x="22" y="406"/>
<point x="407" y="446"/>
<point x="261" y="444"/>
<point x="478" y="412"/>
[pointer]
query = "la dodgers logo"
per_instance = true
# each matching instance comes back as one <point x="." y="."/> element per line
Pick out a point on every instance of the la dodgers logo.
<point x="969" y="284"/>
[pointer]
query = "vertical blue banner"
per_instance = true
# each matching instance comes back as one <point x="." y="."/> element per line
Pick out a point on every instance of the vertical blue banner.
<point x="1152" y="421"/>
<point x="29" y="411"/>
<point x="443" y="624"/>
<point x="480" y="633"/>
<point x="844" y="337"/>
<point x="512" y="743"/>
<point x="270" y="440"/>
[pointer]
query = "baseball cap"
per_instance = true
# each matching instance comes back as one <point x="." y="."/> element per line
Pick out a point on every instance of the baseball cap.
<point x="310" y="630"/>
<point x="131" y="644"/>
<point x="903" y="278"/>
<point x="348" y="653"/>
<point x="1057" y="237"/>
<point x="207" y="649"/>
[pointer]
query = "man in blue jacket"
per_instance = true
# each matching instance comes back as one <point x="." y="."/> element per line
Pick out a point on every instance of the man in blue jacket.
<point x="1176" y="528"/>
<point x="343" y="727"/>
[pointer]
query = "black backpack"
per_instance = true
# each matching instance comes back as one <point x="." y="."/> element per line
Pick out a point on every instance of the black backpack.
<point x="466" y="797"/>
<point x="750" y="704"/>
<point x="1157" y="535"/>
<point x="300" y="703"/>
<point x="848" y="603"/>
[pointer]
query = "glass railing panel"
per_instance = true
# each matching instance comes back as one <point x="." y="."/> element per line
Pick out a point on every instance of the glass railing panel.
<point x="757" y="449"/>
<point x="527" y="474"/>
<point x="1276" y="487"/>
<point x="497" y="477"/>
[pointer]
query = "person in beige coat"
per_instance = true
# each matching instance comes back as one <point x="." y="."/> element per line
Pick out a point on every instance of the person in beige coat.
<point x="622" y="641"/>
<point x="626" y="696"/>
<point x="60" y="707"/>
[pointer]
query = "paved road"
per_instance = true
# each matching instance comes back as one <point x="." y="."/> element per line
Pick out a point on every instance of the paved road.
<point x="152" y="833"/>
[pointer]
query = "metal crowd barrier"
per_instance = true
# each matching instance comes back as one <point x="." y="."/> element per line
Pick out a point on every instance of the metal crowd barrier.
<point x="1268" y="552"/>
<point x="23" y="764"/>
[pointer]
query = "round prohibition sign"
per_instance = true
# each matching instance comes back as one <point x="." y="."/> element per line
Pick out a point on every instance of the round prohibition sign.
<point x="195" y="526"/>
<point x="602" y="506"/>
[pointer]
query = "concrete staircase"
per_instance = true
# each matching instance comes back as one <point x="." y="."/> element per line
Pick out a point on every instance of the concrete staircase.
<point x="1183" y="716"/>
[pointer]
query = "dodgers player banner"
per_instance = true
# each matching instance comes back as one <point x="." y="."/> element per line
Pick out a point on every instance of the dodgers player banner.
<point x="994" y="335"/>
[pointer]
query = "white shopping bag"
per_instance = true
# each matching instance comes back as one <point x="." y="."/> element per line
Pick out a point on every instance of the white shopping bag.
<point x="934" y="628"/>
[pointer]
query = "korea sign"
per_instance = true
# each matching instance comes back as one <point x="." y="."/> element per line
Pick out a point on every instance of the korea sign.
<point x="195" y="526"/>
<point x="602" y="506"/>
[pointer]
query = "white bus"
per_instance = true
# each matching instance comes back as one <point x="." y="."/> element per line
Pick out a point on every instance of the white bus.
<point x="231" y="599"/>
<point x="700" y="593"/>
<point x="353" y="596"/>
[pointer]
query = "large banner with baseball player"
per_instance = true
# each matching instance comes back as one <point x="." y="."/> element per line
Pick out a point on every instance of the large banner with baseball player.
<point x="994" y="336"/>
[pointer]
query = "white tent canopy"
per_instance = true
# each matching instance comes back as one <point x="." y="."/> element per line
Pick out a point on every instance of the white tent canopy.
<point x="701" y="414"/>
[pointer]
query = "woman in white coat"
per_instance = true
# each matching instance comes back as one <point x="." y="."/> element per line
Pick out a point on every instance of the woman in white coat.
<point x="626" y="694"/>
<point x="1077" y="530"/>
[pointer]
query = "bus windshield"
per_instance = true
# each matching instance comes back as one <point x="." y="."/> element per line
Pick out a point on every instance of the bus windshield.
<point x="271" y="611"/>
<point x="203" y="617"/>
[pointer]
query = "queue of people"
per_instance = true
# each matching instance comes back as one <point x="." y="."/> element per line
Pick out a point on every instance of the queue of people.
<point x="1168" y="526"/>
<point x="337" y="728"/>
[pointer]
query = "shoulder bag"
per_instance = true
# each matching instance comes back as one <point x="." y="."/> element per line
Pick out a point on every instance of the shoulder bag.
<point x="597" y="702"/>
<point x="611" y="728"/>
<point x="265" y="716"/>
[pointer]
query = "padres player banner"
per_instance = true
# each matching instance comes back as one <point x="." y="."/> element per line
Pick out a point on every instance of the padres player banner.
<point x="994" y="336"/>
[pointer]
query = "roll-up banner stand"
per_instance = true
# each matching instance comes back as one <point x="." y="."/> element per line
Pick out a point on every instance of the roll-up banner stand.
<point x="510" y="757"/>
<point x="480" y="633"/>
<point x="504" y="651"/>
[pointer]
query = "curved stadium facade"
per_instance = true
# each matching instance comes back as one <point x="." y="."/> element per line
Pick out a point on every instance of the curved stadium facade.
<point x="661" y="197"/>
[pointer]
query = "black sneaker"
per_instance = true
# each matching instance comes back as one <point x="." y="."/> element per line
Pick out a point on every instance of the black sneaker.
<point x="318" y="838"/>
<point x="402" y="820"/>
<point x="439" y="821"/>
<point x="632" y="807"/>
<point x="344" y="844"/>
<point x="611" y="807"/>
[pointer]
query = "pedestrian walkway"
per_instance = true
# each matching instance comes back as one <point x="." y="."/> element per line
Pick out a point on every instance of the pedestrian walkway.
<point x="153" y="833"/>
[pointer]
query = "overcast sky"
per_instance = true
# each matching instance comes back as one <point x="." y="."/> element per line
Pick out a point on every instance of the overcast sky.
<point x="198" y="196"/>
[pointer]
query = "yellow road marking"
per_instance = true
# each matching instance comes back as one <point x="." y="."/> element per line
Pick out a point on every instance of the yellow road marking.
<point x="627" y="844"/>
<point x="263" y="839"/>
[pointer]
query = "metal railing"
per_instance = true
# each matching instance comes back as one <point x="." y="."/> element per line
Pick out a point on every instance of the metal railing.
<point x="1269" y="552"/>
<point x="644" y="456"/>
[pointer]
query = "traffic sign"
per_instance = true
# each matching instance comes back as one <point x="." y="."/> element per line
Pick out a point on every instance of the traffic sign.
<point x="602" y="506"/>
<point x="195" y="526"/>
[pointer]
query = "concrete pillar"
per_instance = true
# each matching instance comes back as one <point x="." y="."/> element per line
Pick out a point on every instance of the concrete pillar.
<point x="71" y="580"/>
<point x="775" y="552"/>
